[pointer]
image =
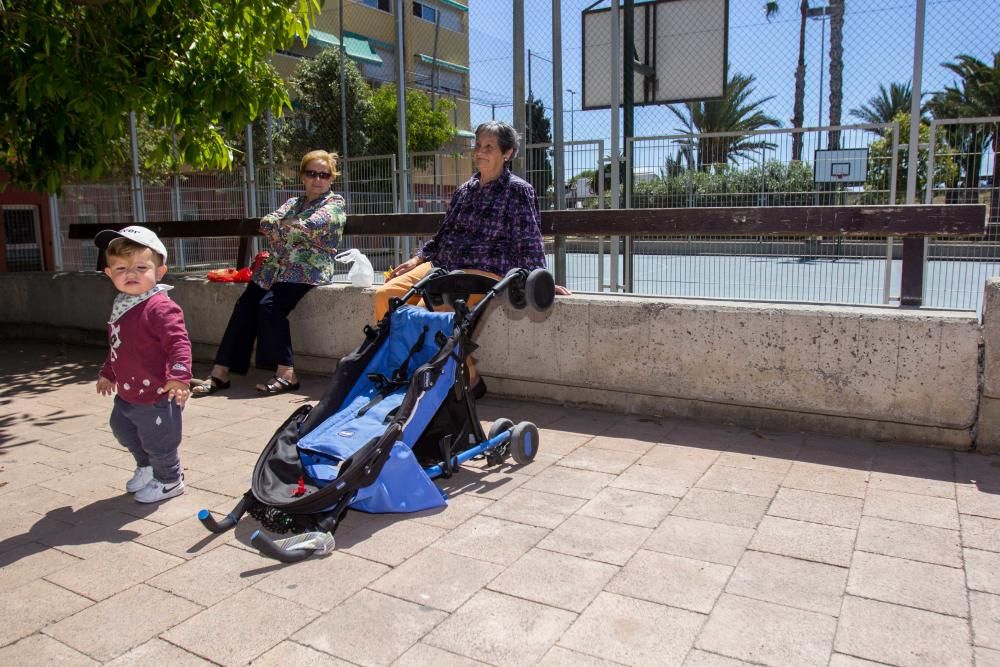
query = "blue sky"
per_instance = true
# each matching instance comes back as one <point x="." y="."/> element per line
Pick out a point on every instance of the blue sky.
<point x="878" y="43"/>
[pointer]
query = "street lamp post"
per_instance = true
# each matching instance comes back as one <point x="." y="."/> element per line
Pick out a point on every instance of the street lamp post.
<point x="820" y="13"/>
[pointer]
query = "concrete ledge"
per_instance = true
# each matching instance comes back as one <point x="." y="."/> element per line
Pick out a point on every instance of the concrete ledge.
<point x="884" y="373"/>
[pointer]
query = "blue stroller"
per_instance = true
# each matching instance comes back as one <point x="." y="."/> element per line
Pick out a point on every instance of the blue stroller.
<point x="397" y="414"/>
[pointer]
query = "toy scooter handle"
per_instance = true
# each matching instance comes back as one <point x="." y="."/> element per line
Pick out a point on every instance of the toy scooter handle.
<point x="267" y="547"/>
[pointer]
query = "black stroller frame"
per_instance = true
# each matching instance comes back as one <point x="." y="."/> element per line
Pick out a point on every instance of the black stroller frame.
<point x="441" y="448"/>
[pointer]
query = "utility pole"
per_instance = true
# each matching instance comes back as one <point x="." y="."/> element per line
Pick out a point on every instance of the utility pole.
<point x="518" y="93"/>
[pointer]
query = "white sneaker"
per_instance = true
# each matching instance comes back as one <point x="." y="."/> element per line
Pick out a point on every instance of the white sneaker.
<point x="142" y="476"/>
<point x="156" y="491"/>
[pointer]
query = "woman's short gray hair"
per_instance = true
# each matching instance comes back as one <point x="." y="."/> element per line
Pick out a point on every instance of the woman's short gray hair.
<point x="507" y="136"/>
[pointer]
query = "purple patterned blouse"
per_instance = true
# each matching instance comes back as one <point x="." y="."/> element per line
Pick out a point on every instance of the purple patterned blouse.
<point x="493" y="227"/>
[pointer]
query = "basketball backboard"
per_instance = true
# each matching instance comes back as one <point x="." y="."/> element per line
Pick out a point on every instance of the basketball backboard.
<point x="848" y="166"/>
<point x="681" y="51"/>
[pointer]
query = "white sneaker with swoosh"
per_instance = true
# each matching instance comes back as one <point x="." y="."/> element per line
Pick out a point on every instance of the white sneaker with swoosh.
<point x="156" y="491"/>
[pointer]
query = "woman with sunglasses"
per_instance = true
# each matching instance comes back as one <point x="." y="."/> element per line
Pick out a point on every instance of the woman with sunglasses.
<point x="303" y="234"/>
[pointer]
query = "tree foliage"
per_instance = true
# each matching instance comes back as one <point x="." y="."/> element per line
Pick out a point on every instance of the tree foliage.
<point x="427" y="129"/>
<point x="317" y="119"/>
<point x="884" y="107"/>
<point x="880" y="163"/>
<point x="538" y="166"/>
<point x="72" y="70"/>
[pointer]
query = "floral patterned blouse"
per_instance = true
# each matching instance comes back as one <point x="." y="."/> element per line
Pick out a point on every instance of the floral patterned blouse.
<point x="303" y="237"/>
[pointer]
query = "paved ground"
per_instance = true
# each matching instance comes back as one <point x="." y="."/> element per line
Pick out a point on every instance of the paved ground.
<point x="628" y="540"/>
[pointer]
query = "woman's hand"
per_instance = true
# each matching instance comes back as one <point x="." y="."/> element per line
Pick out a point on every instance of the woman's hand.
<point x="562" y="291"/>
<point x="406" y="266"/>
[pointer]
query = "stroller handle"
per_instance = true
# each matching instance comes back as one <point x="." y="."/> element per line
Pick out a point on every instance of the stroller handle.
<point x="267" y="547"/>
<point x="228" y="522"/>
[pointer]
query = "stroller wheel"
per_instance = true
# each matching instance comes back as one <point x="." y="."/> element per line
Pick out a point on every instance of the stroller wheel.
<point x="499" y="426"/>
<point x="524" y="442"/>
<point x="501" y="452"/>
<point x="540" y="290"/>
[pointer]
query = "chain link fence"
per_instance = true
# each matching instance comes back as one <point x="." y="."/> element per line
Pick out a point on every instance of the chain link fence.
<point x="809" y="85"/>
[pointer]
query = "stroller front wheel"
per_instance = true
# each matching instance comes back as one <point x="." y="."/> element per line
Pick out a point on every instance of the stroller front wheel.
<point x="524" y="442"/>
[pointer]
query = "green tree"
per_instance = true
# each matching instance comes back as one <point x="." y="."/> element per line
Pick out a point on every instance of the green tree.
<point x="427" y="129"/>
<point x="884" y="107"/>
<point x="539" y="131"/>
<point x="877" y="186"/>
<point x="798" y="105"/>
<point x="836" y="13"/>
<point x="316" y="122"/>
<point x="72" y="70"/>
<point x="975" y="94"/>
<point x="733" y="113"/>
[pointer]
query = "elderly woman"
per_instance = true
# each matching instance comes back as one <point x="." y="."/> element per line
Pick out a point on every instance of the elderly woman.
<point x="303" y="233"/>
<point x="492" y="226"/>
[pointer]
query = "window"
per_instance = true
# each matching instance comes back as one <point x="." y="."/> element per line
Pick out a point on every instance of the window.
<point x="448" y="82"/>
<point x="384" y="5"/>
<point x="450" y="19"/>
<point x="385" y="72"/>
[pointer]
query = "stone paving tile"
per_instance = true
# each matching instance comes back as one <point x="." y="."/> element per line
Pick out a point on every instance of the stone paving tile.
<point x="92" y="535"/>
<point x="27" y="563"/>
<point x="33" y="606"/>
<point x="596" y="539"/>
<point x="563" y="657"/>
<point x="322" y="583"/>
<point x="826" y="479"/>
<point x="987" y="657"/>
<point x="115" y="568"/>
<point x="700" y="540"/>
<point x="137" y="615"/>
<point x="386" y="538"/>
<point x="186" y="539"/>
<point x="633" y="632"/>
<point x="980" y="532"/>
<point x="816" y="507"/>
<point x="671" y="580"/>
<point x="227" y="634"/>
<point x="972" y="500"/>
<point x="632" y="444"/>
<point x="460" y="507"/>
<point x="483" y="483"/>
<point x="501" y="629"/>
<point x="599" y="460"/>
<point x="896" y="635"/>
<point x="42" y="650"/>
<point x="20" y="529"/>
<point x="554" y="579"/>
<point x="437" y="579"/>
<point x="985" y="610"/>
<point x="632" y="507"/>
<point x="912" y="483"/>
<point x="982" y="570"/>
<point x="570" y="482"/>
<point x="841" y="660"/>
<point x="673" y="456"/>
<point x="370" y="628"/>
<point x="789" y="581"/>
<point x="910" y="540"/>
<point x="216" y="575"/>
<point x="421" y="654"/>
<point x="289" y="653"/>
<point x="559" y="443"/>
<point x="926" y="510"/>
<point x="761" y="483"/>
<point x="158" y="652"/>
<point x="767" y="633"/>
<point x="652" y="479"/>
<point x="800" y="539"/>
<point x="837" y="451"/>
<point x="536" y="508"/>
<point x="754" y="461"/>
<point x="734" y="509"/>
<point x="698" y="658"/>
<point x="906" y="582"/>
<point x="492" y="540"/>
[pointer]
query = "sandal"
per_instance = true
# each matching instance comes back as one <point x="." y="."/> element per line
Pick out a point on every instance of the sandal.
<point x="278" y="385"/>
<point x="209" y="386"/>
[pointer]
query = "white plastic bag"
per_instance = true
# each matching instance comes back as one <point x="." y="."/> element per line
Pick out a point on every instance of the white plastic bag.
<point x="361" y="273"/>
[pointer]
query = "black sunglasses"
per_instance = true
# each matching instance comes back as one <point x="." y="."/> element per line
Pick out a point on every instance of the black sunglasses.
<point x="309" y="173"/>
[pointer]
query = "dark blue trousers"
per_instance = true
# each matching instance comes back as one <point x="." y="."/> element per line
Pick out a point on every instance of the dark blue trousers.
<point x="260" y="315"/>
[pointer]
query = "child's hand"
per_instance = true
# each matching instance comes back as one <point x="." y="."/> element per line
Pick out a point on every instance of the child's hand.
<point x="105" y="387"/>
<point x="176" y="391"/>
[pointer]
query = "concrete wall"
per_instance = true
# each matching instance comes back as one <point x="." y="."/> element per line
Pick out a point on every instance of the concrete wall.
<point x="885" y="373"/>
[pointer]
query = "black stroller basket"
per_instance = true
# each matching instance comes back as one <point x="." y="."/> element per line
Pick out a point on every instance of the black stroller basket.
<point x="397" y="414"/>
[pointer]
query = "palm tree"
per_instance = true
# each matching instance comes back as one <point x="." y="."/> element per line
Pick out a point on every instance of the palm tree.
<point x="836" y="69"/>
<point x="975" y="94"/>
<point x="883" y="108"/>
<point x="798" y="106"/>
<point x="732" y="113"/>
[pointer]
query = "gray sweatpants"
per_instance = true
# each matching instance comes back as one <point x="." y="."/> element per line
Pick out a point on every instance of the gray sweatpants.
<point x="152" y="433"/>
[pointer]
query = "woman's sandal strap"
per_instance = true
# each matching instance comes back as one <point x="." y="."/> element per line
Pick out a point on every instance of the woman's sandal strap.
<point x="277" y="385"/>
<point x="212" y="385"/>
